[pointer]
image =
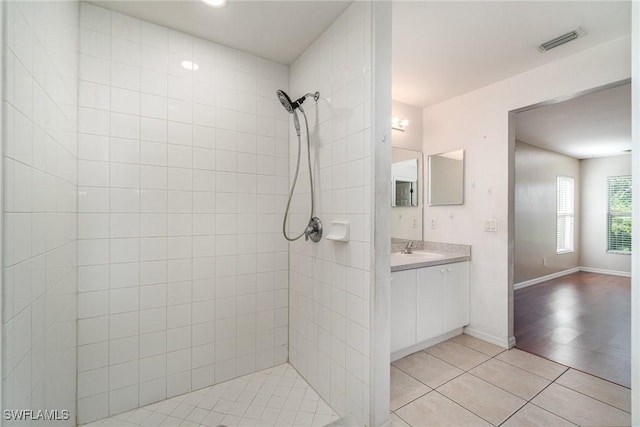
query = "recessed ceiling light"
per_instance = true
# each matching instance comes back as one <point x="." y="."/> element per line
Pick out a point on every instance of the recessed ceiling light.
<point x="188" y="65"/>
<point x="215" y="3"/>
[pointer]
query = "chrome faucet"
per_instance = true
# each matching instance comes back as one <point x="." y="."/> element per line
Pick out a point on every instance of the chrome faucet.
<point x="411" y="245"/>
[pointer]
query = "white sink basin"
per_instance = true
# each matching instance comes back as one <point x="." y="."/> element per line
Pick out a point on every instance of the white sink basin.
<point x="423" y="254"/>
<point x="398" y="258"/>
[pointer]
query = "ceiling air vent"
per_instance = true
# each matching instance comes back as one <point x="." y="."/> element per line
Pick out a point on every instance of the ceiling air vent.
<point x="565" y="38"/>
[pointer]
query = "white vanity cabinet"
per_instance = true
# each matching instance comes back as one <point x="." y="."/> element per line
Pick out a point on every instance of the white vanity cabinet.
<point x="456" y="295"/>
<point x="403" y="312"/>
<point x="428" y="302"/>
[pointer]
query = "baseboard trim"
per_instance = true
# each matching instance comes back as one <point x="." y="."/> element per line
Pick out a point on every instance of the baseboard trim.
<point x="493" y="339"/>
<point x="603" y="271"/>
<point x="537" y="280"/>
<point x="424" y="344"/>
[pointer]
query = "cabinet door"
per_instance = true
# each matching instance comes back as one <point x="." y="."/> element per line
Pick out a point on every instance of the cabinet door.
<point x="456" y="296"/>
<point x="430" y="298"/>
<point x="403" y="309"/>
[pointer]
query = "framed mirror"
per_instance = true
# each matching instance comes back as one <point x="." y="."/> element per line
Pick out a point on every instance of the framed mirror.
<point x="446" y="178"/>
<point x="406" y="194"/>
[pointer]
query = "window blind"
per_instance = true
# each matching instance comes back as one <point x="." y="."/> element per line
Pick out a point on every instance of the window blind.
<point x="564" y="214"/>
<point x="619" y="214"/>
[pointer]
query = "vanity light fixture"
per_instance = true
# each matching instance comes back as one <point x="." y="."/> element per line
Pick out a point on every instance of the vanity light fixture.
<point x="189" y="65"/>
<point x="398" y="123"/>
<point x="215" y="3"/>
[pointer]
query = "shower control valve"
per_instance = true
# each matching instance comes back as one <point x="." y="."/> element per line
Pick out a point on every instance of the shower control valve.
<point x="313" y="230"/>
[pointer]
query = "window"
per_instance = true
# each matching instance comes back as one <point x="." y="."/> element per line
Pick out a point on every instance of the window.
<point x="619" y="214"/>
<point x="564" y="214"/>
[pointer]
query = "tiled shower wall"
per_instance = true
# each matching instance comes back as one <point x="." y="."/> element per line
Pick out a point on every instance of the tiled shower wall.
<point x="183" y="273"/>
<point x="331" y="281"/>
<point x="39" y="185"/>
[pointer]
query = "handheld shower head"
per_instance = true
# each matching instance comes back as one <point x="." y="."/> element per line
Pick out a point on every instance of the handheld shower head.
<point x="286" y="102"/>
<point x="290" y="105"/>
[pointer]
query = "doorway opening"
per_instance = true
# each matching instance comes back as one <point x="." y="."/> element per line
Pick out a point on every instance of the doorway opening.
<point x="570" y="287"/>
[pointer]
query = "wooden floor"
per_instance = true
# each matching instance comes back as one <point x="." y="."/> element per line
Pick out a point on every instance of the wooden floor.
<point x="582" y="320"/>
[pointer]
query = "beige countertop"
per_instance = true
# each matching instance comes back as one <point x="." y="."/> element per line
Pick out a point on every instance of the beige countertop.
<point x="428" y="254"/>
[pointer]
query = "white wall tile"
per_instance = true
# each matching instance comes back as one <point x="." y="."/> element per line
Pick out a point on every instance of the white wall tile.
<point x="343" y="185"/>
<point x="123" y="399"/>
<point x="123" y="374"/>
<point x="123" y="350"/>
<point x="161" y="195"/>
<point x="123" y="325"/>
<point x="92" y="382"/>
<point x="125" y="76"/>
<point x="40" y="183"/>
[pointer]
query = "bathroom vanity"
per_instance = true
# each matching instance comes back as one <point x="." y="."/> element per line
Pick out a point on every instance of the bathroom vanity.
<point x="429" y="296"/>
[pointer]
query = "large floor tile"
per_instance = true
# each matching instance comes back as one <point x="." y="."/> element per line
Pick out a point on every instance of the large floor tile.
<point x="531" y="363"/>
<point x="396" y="421"/>
<point x="510" y="378"/>
<point x="478" y="345"/>
<point x="613" y="366"/>
<point x="433" y="409"/>
<point x="599" y="389"/>
<point x="580" y="409"/>
<point x="457" y="355"/>
<point x="533" y="416"/>
<point x="427" y="369"/>
<point x="482" y="398"/>
<point x="405" y="388"/>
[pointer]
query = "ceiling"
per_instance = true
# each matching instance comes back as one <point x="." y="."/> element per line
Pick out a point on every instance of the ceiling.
<point x="276" y="30"/>
<point x="593" y="125"/>
<point x="442" y="49"/>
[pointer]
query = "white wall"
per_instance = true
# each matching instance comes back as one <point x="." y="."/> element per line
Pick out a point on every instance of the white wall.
<point x="536" y="172"/>
<point x="411" y="138"/>
<point x="479" y="123"/>
<point x="39" y="181"/>
<point x="183" y="178"/>
<point x="330" y="282"/>
<point x="593" y="228"/>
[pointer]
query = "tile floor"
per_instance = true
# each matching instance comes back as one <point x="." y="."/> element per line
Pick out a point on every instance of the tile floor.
<point x="468" y="382"/>
<point x="277" y="396"/>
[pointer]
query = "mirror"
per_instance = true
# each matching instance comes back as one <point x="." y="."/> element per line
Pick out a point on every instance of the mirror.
<point x="446" y="178"/>
<point x="406" y="194"/>
<point x="404" y="189"/>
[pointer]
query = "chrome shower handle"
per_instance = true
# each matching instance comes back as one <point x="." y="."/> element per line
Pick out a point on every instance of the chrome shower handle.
<point x="313" y="230"/>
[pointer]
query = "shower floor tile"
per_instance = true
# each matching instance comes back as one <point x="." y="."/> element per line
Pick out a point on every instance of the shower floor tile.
<point x="277" y="396"/>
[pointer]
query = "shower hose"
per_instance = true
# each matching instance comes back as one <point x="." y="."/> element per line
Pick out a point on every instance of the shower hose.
<point x="295" y="179"/>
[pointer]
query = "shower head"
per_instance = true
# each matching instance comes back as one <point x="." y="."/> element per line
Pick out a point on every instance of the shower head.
<point x="286" y="101"/>
<point x="290" y="105"/>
